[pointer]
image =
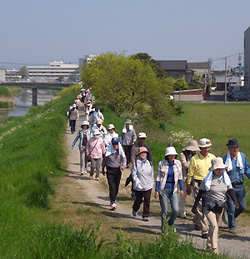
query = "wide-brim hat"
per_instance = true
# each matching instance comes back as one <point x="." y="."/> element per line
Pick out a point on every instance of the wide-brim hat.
<point x="143" y="150"/>
<point x="111" y="126"/>
<point x="99" y="121"/>
<point x="205" y="142"/>
<point x="170" y="151"/>
<point x="96" y="132"/>
<point x="128" y="121"/>
<point x="85" y="123"/>
<point x="74" y="105"/>
<point x="217" y="163"/>
<point x="233" y="142"/>
<point x="192" y="146"/>
<point x="142" y="135"/>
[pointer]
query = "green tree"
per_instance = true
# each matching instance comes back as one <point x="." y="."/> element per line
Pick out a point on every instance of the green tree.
<point x="23" y="71"/>
<point x="180" y="84"/>
<point x="130" y="85"/>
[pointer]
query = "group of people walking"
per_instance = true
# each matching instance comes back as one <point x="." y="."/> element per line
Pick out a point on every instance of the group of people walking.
<point x="216" y="184"/>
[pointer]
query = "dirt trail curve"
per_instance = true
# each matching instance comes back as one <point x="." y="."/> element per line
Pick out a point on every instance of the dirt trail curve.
<point x="235" y="245"/>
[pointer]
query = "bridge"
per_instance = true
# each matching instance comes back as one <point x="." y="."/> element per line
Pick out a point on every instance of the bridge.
<point x="42" y="85"/>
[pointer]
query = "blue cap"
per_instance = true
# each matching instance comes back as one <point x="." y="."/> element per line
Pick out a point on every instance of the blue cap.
<point x="115" y="140"/>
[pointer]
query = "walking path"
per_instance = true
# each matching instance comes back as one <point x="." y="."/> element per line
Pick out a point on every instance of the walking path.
<point x="235" y="245"/>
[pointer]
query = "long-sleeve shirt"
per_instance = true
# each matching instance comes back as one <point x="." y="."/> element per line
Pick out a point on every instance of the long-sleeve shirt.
<point x="127" y="137"/>
<point x="199" y="166"/>
<point x="143" y="175"/>
<point x="114" y="160"/>
<point x="96" y="148"/>
<point x="135" y="153"/>
<point x="73" y="114"/>
<point x="236" y="174"/>
<point x="80" y="136"/>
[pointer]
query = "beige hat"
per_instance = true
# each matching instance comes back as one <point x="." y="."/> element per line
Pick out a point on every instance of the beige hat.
<point x="128" y="121"/>
<point x="217" y="163"/>
<point x="205" y="142"/>
<point x="111" y="126"/>
<point x="192" y="146"/>
<point x="143" y="150"/>
<point x="96" y="132"/>
<point x="170" y="151"/>
<point x="99" y="121"/>
<point x="142" y="135"/>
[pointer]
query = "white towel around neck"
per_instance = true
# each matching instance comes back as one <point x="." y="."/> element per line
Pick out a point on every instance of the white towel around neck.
<point x="208" y="179"/>
<point x="111" y="150"/>
<point x="229" y="164"/>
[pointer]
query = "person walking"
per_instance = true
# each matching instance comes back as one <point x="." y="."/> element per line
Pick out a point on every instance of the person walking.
<point x="97" y="114"/>
<point x="143" y="181"/>
<point x="73" y="116"/>
<point x="214" y="189"/>
<point x="169" y="174"/>
<point x="128" y="138"/>
<point x="237" y="167"/>
<point x="111" y="134"/>
<point x="95" y="149"/>
<point x="101" y="128"/>
<point x="134" y="155"/>
<point x="198" y="169"/>
<point x="185" y="156"/>
<point x="84" y="136"/>
<point x="114" y="161"/>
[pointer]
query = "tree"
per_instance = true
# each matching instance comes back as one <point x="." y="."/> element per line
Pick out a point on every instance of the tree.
<point x="130" y="85"/>
<point x="23" y="71"/>
<point x="180" y="84"/>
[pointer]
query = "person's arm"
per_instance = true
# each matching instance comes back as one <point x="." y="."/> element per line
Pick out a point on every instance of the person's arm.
<point x="75" y="140"/>
<point x="247" y="168"/>
<point x="190" y="175"/>
<point x="157" y="183"/>
<point x="197" y="200"/>
<point x="184" y="162"/>
<point x="232" y="195"/>
<point x="104" y="162"/>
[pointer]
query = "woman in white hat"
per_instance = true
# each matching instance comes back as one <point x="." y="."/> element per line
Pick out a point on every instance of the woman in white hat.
<point x="187" y="153"/>
<point x="169" y="173"/>
<point x="84" y="135"/>
<point x="213" y="191"/>
<point x="111" y="134"/>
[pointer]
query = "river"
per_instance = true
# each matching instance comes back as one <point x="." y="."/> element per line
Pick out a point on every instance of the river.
<point x="24" y="102"/>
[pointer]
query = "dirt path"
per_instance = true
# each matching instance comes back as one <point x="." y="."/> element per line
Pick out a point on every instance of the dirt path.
<point x="96" y="195"/>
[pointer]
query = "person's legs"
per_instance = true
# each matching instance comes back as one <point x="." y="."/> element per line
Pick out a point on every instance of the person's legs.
<point x="241" y="198"/>
<point x="212" y="240"/>
<point x="146" y="203"/>
<point x="82" y="153"/>
<point x="182" y="201"/>
<point x="138" y="200"/>
<point x="111" y="182"/>
<point x="173" y="197"/>
<point x="129" y="153"/>
<point x="126" y="151"/>
<point x="98" y="165"/>
<point x="117" y="180"/>
<point x="93" y="166"/>
<point x="164" y="207"/>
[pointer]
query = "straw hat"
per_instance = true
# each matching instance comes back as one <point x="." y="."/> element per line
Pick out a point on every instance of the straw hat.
<point x="142" y="135"/>
<point x="111" y="126"/>
<point x="171" y="151"/>
<point x="143" y="150"/>
<point x="192" y="146"/>
<point x="205" y="142"/>
<point x="217" y="163"/>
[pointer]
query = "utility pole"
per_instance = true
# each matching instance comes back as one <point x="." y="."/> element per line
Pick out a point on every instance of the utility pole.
<point x="239" y="68"/>
<point x="205" y="83"/>
<point x="225" y="79"/>
<point x="209" y="72"/>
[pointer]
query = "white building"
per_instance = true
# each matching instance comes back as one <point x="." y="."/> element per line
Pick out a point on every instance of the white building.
<point x="55" y="71"/>
<point x="2" y="75"/>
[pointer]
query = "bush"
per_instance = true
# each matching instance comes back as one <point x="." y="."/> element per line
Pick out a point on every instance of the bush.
<point x="4" y="91"/>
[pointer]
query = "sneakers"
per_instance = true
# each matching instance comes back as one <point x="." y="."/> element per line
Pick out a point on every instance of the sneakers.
<point x="81" y="173"/>
<point x="85" y="172"/>
<point x="182" y="215"/>
<point x="134" y="213"/>
<point x="145" y="219"/>
<point x="97" y="178"/>
<point x="113" y="206"/>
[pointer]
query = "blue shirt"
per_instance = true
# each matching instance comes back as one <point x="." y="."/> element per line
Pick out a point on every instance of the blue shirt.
<point x="236" y="174"/>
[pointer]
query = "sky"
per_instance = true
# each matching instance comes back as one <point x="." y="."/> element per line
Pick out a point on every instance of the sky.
<point x="34" y="32"/>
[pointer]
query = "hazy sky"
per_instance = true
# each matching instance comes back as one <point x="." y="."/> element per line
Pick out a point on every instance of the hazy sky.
<point x="37" y="31"/>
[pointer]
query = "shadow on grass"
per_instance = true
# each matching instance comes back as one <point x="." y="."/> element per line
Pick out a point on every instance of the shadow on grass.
<point x="135" y="229"/>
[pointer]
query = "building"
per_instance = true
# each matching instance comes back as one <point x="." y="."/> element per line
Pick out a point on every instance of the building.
<point x="247" y="58"/>
<point x="56" y="71"/>
<point x="2" y="75"/>
<point x="12" y="75"/>
<point x="86" y="59"/>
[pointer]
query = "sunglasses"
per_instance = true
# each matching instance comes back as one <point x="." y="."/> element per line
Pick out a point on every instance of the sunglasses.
<point x="115" y="143"/>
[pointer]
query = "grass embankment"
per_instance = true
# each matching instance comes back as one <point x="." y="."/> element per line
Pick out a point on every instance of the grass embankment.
<point x="32" y="158"/>
<point x="7" y="95"/>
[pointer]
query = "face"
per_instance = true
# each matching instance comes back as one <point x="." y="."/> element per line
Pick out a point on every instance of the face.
<point x="205" y="150"/>
<point x="111" y="131"/>
<point x="141" y="142"/>
<point x="143" y="155"/>
<point x="115" y="145"/>
<point x="171" y="158"/>
<point x="99" y="125"/>
<point x="218" y="172"/>
<point x="233" y="151"/>
<point x="127" y="125"/>
<point x="85" y="127"/>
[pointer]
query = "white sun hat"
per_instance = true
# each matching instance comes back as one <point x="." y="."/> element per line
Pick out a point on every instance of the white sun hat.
<point x="170" y="151"/>
<point x="205" y="142"/>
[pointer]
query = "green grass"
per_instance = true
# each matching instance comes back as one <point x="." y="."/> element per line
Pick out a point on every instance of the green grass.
<point x="5" y="105"/>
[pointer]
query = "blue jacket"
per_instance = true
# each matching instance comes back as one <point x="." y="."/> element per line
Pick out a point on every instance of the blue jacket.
<point x="80" y="135"/>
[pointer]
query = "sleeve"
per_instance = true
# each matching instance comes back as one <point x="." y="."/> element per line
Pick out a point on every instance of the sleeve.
<point x="191" y="170"/>
<point x="104" y="160"/>
<point x="158" y="172"/>
<point x="136" y="181"/>
<point x="232" y="195"/>
<point x="103" y="147"/>
<point x="134" y="136"/>
<point x="133" y="156"/>
<point x="75" y="140"/>
<point x="180" y="182"/>
<point x="184" y="162"/>
<point x="247" y="168"/>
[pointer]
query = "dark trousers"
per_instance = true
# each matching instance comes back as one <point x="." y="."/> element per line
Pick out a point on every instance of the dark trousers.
<point x="127" y="150"/>
<point x="73" y="125"/>
<point x="114" y="178"/>
<point x="146" y="202"/>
